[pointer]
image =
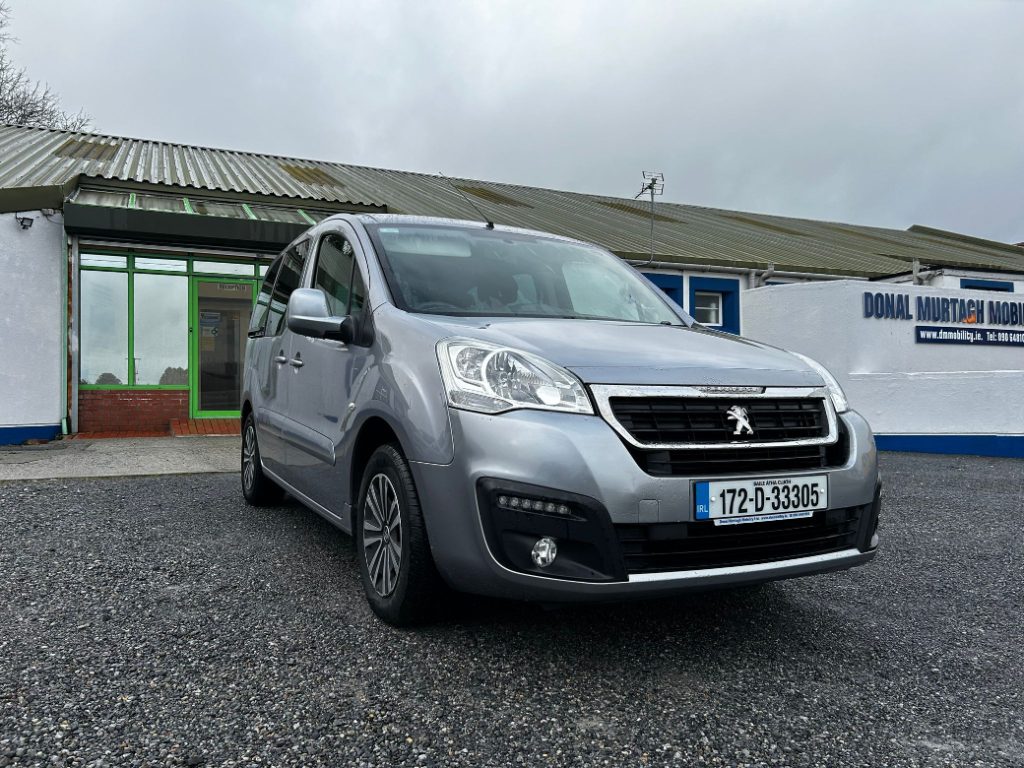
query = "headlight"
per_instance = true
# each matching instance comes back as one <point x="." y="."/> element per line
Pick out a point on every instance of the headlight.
<point x="838" y="396"/>
<point x="488" y="378"/>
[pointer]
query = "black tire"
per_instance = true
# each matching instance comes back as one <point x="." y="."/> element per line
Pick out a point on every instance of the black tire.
<point x="258" y="489"/>
<point x="411" y="591"/>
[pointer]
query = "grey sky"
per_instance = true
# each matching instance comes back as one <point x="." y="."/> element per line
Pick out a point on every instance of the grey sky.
<point x="867" y="112"/>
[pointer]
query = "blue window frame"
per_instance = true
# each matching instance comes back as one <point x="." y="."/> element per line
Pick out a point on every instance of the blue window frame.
<point x="987" y="285"/>
<point x="672" y="285"/>
<point x="730" y="304"/>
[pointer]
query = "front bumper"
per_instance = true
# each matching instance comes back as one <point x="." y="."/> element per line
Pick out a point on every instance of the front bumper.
<point x="582" y="456"/>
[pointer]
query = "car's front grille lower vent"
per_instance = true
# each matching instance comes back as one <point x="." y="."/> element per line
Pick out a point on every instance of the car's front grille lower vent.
<point x="696" y="545"/>
<point x="663" y="420"/>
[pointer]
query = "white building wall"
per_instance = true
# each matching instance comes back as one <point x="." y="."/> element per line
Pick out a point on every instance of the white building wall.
<point x="32" y="323"/>
<point x="950" y="278"/>
<point x="900" y="386"/>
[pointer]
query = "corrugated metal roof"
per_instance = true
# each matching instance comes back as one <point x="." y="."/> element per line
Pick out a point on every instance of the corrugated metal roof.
<point x="685" y="234"/>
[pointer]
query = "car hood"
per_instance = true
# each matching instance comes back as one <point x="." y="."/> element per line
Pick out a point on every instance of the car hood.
<point x="607" y="352"/>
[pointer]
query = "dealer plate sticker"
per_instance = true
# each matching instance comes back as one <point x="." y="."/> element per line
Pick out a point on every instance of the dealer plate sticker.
<point x="730" y="502"/>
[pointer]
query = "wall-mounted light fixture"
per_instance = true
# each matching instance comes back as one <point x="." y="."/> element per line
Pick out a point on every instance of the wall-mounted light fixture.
<point x="24" y="221"/>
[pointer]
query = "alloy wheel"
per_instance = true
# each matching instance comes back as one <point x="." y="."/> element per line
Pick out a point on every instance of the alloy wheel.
<point x="249" y="456"/>
<point x="382" y="534"/>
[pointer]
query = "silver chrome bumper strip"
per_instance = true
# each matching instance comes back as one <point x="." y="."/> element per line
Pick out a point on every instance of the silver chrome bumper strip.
<point x="736" y="570"/>
<point x="604" y="392"/>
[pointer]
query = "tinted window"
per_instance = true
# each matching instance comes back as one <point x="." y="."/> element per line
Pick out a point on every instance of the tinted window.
<point x="289" y="276"/>
<point x="334" y="272"/>
<point x="456" y="270"/>
<point x="358" y="292"/>
<point x="262" y="308"/>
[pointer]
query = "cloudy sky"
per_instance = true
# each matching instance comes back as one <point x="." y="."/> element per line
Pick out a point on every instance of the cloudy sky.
<point x="869" y="112"/>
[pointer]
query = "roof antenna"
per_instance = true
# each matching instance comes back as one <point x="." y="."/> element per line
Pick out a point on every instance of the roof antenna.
<point x="474" y="206"/>
<point x="654" y="184"/>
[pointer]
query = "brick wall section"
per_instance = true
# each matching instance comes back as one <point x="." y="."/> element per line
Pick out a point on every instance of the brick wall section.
<point x="110" y="410"/>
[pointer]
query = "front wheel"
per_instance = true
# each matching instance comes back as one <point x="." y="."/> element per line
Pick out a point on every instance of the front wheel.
<point x="258" y="489"/>
<point x="397" y="570"/>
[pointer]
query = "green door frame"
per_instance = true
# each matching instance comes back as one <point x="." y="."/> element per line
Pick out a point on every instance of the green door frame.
<point x="193" y="343"/>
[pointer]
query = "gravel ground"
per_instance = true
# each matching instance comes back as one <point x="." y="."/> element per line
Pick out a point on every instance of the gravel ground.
<point x="159" y="621"/>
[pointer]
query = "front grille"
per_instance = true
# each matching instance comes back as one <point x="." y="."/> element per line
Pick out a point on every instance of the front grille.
<point x="709" y="462"/>
<point x="660" y="420"/>
<point x="696" y="545"/>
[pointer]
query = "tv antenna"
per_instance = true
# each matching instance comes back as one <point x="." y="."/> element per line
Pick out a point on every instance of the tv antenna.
<point x="654" y="185"/>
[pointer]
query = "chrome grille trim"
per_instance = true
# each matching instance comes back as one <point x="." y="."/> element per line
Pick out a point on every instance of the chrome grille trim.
<point x="603" y="393"/>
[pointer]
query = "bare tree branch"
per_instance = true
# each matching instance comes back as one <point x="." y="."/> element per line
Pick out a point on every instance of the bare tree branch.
<point x="24" y="101"/>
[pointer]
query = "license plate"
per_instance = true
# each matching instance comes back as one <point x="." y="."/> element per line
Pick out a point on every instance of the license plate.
<point x="729" y="502"/>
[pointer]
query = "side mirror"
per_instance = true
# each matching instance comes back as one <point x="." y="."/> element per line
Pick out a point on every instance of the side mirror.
<point x="309" y="315"/>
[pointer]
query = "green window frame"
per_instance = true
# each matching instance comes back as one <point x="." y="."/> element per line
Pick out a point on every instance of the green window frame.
<point x="131" y="270"/>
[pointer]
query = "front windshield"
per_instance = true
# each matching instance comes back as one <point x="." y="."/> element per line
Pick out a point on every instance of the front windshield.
<point x="452" y="270"/>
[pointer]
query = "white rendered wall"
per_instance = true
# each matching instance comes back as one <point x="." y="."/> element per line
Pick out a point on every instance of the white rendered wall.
<point x="32" y="321"/>
<point x="950" y="278"/>
<point x="900" y="386"/>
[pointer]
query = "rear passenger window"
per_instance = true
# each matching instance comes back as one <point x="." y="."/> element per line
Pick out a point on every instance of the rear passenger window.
<point x="258" y="321"/>
<point x="288" y="280"/>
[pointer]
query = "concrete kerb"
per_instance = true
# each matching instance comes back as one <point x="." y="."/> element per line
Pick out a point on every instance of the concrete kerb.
<point x="120" y="458"/>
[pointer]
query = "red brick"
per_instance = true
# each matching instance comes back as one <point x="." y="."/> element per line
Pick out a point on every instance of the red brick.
<point x="105" y="411"/>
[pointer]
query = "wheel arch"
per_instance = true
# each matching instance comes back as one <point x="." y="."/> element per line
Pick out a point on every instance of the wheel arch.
<point x="374" y="432"/>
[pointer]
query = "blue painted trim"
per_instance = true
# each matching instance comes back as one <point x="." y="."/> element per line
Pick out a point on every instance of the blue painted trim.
<point x="967" y="445"/>
<point x="672" y="285"/>
<point x="703" y="501"/>
<point x="730" y="290"/>
<point x="987" y="285"/>
<point x="18" y="435"/>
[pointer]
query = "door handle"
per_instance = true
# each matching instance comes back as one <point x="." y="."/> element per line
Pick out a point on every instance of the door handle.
<point x="296" y="362"/>
<point x="281" y="359"/>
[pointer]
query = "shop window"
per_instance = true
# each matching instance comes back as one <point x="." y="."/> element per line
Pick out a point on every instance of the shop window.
<point x="160" y="203"/>
<point x="707" y="307"/>
<point x="272" y="213"/>
<point x="104" y="328"/>
<point x="216" y="208"/>
<point x="715" y="301"/>
<point x="103" y="260"/>
<point x="98" y="197"/>
<point x="161" y="329"/>
<point x="161" y="265"/>
<point x="222" y="268"/>
<point x="1005" y="286"/>
<point x="318" y="215"/>
<point x="671" y="285"/>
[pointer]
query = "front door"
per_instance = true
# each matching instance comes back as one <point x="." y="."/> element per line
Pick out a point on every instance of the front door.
<point x="221" y="309"/>
<point x="324" y="380"/>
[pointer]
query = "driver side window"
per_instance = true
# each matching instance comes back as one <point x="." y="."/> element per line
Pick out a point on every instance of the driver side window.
<point x="338" y="276"/>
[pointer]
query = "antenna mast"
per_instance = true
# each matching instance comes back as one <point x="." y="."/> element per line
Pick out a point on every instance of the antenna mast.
<point x="654" y="184"/>
<point x="474" y="206"/>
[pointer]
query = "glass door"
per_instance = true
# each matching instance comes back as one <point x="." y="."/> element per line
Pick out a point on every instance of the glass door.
<point x="221" y="308"/>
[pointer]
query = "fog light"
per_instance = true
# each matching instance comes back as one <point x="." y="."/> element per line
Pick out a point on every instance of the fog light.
<point x="544" y="552"/>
